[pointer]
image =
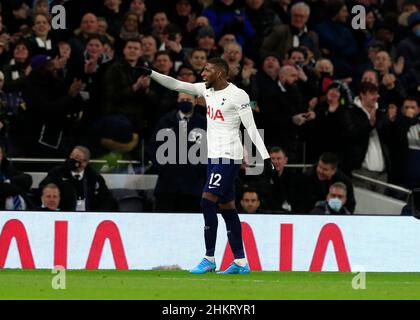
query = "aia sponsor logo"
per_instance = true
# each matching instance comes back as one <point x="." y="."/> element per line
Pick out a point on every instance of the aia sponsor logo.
<point x="215" y="114"/>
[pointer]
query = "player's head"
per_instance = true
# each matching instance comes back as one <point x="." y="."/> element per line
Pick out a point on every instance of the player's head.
<point x="215" y="70"/>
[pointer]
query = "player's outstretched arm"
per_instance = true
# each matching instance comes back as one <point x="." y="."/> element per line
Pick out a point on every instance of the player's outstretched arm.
<point x="247" y="119"/>
<point x="171" y="83"/>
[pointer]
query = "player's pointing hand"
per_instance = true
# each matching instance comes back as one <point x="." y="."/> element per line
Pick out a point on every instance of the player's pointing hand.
<point x="142" y="71"/>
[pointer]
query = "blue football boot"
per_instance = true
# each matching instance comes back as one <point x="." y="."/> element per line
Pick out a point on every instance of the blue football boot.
<point x="204" y="266"/>
<point x="236" y="269"/>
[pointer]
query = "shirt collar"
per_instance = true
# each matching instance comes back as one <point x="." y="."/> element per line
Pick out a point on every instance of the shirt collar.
<point x="282" y="88"/>
<point x="184" y="116"/>
<point x="81" y="174"/>
<point x="358" y="103"/>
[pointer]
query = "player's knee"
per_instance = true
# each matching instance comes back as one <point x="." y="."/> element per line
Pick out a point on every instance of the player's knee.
<point x="229" y="206"/>
<point x="210" y="196"/>
<point x="207" y="205"/>
<point x="229" y="215"/>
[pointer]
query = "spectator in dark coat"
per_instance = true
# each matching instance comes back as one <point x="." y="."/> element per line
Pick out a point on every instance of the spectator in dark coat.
<point x="226" y="16"/>
<point x="307" y="78"/>
<point x="282" y="8"/>
<point x="125" y="90"/>
<point x="409" y="48"/>
<point x="81" y="188"/>
<point x="51" y="108"/>
<point x="40" y="42"/>
<point x="206" y="39"/>
<point x="171" y="42"/>
<point x="315" y="184"/>
<point x="262" y="19"/>
<point x="163" y="99"/>
<point x="402" y="137"/>
<point x="95" y="65"/>
<point x="283" y="183"/>
<point x="296" y="34"/>
<point x="112" y="12"/>
<point x="336" y="40"/>
<point x="179" y="185"/>
<point x="129" y="30"/>
<point x="241" y="69"/>
<point x="390" y="88"/>
<point x="326" y="131"/>
<point x="17" y="70"/>
<point x="335" y="202"/>
<point x="365" y="149"/>
<point x="88" y="26"/>
<point x="281" y="109"/>
<point x="14" y="186"/>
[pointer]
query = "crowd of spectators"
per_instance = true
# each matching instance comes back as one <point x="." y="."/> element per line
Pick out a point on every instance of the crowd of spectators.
<point x="325" y="92"/>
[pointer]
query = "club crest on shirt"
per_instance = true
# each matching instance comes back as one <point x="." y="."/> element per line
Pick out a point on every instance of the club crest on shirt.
<point x="244" y="106"/>
<point x="215" y="114"/>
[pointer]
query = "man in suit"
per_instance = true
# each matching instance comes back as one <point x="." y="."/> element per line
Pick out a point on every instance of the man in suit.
<point x="82" y="189"/>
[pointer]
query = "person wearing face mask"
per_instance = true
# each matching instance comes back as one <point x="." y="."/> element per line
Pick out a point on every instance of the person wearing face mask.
<point x="179" y="185"/>
<point x="81" y="188"/>
<point x="335" y="202"/>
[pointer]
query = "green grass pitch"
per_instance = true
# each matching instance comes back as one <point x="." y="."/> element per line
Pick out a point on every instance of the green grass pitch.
<point x="180" y="285"/>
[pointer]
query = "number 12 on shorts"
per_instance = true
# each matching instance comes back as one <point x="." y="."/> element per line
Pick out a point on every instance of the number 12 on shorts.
<point x="215" y="180"/>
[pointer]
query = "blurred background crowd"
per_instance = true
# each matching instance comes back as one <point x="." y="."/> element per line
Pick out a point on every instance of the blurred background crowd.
<point x="327" y="91"/>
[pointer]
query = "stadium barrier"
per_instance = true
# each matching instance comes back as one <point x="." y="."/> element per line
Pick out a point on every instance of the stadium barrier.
<point x="368" y="202"/>
<point x="114" y="180"/>
<point x="147" y="241"/>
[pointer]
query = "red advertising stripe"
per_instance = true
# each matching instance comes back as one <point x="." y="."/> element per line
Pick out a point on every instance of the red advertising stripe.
<point x="330" y="232"/>
<point x="15" y="229"/>
<point x="107" y="230"/>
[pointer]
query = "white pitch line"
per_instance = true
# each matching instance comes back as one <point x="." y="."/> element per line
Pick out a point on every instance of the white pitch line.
<point x="229" y="280"/>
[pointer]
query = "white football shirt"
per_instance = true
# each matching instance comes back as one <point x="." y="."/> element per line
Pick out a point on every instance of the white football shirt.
<point x="226" y="109"/>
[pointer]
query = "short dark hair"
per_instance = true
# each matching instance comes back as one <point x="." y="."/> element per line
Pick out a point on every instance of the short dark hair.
<point x="250" y="190"/>
<point x="411" y="98"/>
<point x="163" y="53"/>
<point x="302" y="50"/>
<point x="198" y="49"/>
<point x="220" y="63"/>
<point x="366" y="87"/>
<point x="172" y="28"/>
<point x="185" y="66"/>
<point x="137" y="40"/>
<point x="329" y="158"/>
<point x="96" y="36"/>
<point x="278" y="149"/>
<point x="129" y="13"/>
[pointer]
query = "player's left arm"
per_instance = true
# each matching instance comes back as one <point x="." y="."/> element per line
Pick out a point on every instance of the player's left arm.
<point x="243" y="107"/>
